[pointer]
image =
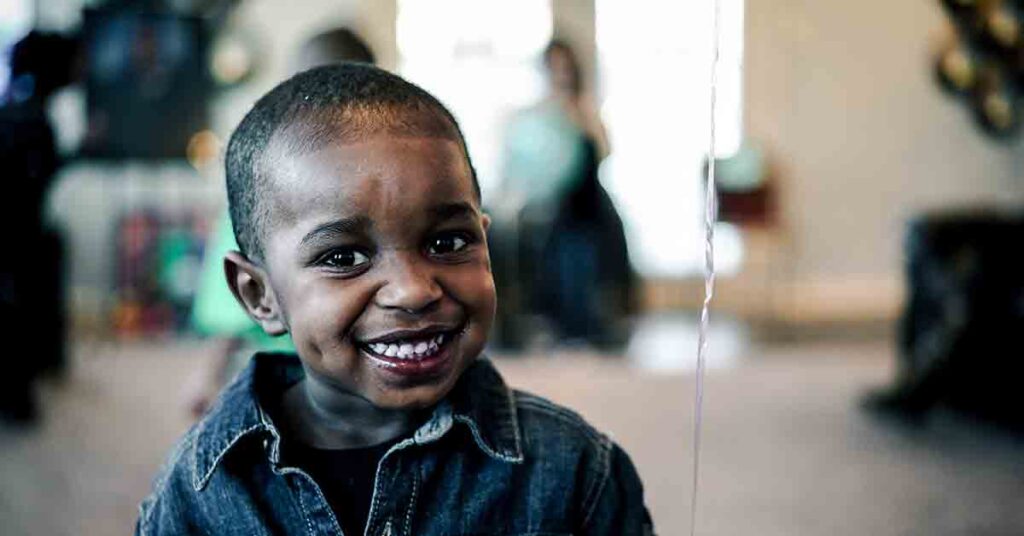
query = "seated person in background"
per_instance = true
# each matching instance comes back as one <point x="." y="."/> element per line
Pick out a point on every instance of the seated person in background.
<point x="358" y="215"/>
<point x="561" y="247"/>
<point x="31" y="280"/>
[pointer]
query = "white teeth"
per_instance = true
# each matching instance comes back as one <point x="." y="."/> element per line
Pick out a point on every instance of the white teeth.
<point x="408" y="350"/>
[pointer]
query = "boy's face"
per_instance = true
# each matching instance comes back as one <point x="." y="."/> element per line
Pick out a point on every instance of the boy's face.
<point x="377" y="261"/>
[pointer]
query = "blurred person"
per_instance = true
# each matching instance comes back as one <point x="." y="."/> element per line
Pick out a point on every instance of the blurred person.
<point x="361" y="234"/>
<point x="215" y="312"/>
<point x="573" y="263"/>
<point x="31" y="273"/>
<point x="565" y="89"/>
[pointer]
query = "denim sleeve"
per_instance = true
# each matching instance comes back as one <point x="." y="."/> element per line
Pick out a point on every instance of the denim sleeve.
<point x="618" y="509"/>
<point x="166" y="509"/>
<point x="153" y="519"/>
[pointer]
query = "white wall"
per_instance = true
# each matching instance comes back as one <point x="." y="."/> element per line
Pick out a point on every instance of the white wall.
<point x="842" y="95"/>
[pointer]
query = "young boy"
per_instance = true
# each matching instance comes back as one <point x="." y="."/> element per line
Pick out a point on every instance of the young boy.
<point x="358" y="216"/>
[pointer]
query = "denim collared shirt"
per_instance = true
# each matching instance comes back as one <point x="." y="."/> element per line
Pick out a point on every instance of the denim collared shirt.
<point x="489" y="461"/>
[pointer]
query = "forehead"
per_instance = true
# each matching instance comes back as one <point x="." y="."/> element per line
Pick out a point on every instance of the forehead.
<point x="383" y="174"/>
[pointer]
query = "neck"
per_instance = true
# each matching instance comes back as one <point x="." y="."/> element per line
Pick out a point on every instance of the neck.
<point x="322" y="415"/>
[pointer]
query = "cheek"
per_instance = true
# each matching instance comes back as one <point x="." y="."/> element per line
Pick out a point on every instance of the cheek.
<point x="473" y="286"/>
<point x="323" y="311"/>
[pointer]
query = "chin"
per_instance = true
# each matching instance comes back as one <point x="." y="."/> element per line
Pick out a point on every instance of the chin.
<point x="417" y="398"/>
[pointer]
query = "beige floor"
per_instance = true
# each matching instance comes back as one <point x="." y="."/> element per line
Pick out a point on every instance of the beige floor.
<point x="785" y="450"/>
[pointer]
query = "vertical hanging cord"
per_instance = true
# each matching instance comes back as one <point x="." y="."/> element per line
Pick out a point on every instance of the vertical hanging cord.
<point x="710" y="215"/>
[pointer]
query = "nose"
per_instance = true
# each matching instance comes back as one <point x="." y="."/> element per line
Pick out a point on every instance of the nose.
<point x="410" y="284"/>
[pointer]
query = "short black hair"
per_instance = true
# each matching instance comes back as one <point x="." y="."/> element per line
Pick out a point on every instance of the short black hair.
<point x="338" y="103"/>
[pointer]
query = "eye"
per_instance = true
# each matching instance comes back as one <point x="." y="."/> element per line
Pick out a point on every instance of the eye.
<point x="447" y="243"/>
<point x="344" y="259"/>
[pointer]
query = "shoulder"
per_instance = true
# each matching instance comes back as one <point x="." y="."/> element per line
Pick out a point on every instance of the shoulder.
<point x="560" y="436"/>
<point x="559" y="439"/>
<point x="192" y="465"/>
<point x="540" y="417"/>
<point x="173" y="490"/>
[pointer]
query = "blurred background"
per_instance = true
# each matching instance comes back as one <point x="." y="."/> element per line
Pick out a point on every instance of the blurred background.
<point x="862" y="374"/>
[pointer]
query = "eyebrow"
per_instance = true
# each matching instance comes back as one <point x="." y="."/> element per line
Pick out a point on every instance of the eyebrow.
<point x="448" y="211"/>
<point x="353" y="225"/>
<point x="360" y="224"/>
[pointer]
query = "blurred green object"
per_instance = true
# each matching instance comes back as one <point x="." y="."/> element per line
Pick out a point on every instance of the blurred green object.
<point x="215" y="312"/>
<point x="544" y="154"/>
<point x="177" y="264"/>
<point x="743" y="171"/>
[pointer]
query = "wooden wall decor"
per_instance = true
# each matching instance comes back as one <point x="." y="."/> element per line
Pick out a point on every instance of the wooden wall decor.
<point x="984" y="64"/>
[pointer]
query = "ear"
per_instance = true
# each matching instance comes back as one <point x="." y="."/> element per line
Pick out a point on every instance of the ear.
<point x="485" y="220"/>
<point x="251" y="286"/>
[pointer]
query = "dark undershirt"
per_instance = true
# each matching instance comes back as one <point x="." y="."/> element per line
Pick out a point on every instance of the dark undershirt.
<point x="346" y="478"/>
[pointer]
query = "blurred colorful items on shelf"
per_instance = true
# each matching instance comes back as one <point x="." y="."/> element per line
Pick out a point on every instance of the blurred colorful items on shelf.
<point x="159" y="257"/>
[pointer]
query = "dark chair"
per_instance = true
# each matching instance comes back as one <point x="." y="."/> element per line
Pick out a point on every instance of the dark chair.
<point x="960" y="334"/>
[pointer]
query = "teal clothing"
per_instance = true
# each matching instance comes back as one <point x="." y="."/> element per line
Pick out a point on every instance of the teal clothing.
<point x="215" y="311"/>
<point x="544" y="154"/>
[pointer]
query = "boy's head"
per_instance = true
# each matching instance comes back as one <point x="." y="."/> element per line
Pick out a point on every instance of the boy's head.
<point x="358" y="214"/>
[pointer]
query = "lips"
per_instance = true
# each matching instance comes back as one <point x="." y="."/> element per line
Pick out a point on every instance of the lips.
<point x="410" y="353"/>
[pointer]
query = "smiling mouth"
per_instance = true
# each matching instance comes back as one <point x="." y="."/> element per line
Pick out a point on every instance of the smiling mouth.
<point x="411" y="346"/>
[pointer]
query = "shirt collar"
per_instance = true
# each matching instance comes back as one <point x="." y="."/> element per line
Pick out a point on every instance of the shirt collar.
<point x="486" y="406"/>
<point x="480" y="400"/>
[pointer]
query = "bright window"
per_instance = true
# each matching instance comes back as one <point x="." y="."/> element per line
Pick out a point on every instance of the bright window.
<point x="483" y="63"/>
<point x="655" y="64"/>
